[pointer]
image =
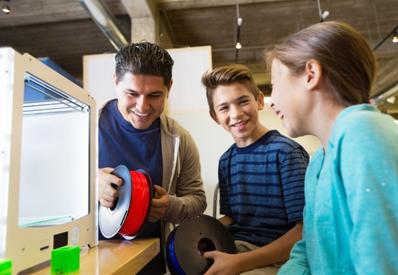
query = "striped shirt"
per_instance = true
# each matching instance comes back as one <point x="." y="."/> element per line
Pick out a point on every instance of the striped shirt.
<point x="262" y="187"/>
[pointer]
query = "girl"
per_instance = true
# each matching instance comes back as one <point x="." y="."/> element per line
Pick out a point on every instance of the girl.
<point x="321" y="79"/>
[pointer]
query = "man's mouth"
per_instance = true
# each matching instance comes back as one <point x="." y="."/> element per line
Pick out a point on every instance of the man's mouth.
<point x="137" y="113"/>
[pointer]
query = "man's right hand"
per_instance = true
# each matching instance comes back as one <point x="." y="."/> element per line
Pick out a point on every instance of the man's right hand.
<point x="107" y="193"/>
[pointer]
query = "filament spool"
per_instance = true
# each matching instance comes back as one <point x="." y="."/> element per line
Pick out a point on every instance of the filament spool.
<point x="187" y="243"/>
<point x="132" y="207"/>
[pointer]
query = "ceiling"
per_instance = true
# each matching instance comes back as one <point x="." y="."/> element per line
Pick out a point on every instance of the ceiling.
<point x="63" y="30"/>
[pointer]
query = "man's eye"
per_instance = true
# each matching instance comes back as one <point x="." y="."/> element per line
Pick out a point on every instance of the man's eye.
<point x="131" y="94"/>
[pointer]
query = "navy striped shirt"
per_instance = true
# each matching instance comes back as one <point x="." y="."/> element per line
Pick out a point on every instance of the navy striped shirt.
<point x="262" y="187"/>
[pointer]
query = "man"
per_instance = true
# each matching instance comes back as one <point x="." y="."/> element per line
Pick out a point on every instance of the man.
<point x="133" y="131"/>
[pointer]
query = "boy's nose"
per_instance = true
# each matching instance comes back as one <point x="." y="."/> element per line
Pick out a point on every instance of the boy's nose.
<point x="236" y="112"/>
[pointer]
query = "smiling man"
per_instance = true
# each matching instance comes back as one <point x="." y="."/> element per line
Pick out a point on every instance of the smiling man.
<point x="133" y="131"/>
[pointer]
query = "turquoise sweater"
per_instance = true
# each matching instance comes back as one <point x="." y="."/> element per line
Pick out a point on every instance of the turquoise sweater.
<point x="351" y="196"/>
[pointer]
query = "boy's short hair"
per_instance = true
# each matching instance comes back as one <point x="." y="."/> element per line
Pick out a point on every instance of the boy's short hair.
<point x="144" y="58"/>
<point x="227" y="75"/>
<point x="348" y="63"/>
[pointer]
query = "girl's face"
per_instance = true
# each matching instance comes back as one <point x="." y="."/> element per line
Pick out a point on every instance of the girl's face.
<point x="289" y="98"/>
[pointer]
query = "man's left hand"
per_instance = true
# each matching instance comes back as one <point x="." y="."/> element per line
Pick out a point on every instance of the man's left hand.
<point x="160" y="203"/>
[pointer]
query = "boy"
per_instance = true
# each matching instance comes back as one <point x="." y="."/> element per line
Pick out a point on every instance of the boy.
<point x="260" y="177"/>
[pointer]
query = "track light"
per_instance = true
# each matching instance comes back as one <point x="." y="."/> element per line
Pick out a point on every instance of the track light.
<point x="6" y="6"/>
<point x="395" y="36"/>
<point x="322" y="14"/>
<point x="238" y="45"/>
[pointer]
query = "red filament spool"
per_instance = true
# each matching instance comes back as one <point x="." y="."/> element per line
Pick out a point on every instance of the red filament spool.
<point x="133" y="205"/>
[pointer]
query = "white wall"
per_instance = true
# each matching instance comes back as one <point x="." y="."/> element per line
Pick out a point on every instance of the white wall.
<point x="187" y="104"/>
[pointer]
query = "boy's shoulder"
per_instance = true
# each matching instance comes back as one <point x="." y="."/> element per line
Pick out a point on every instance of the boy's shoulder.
<point x="272" y="141"/>
<point x="276" y="140"/>
<point x="228" y="153"/>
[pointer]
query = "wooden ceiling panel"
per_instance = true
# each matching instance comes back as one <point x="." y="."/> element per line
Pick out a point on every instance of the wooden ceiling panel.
<point x="64" y="31"/>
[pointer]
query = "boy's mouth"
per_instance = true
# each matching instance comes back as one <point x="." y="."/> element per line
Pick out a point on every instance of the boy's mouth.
<point x="239" y="125"/>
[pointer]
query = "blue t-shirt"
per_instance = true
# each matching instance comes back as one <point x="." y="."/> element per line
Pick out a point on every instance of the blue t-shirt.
<point x="120" y="143"/>
<point x="262" y="187"/>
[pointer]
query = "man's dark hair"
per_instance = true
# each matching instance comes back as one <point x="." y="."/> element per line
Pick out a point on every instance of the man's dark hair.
<point x="144" y="58"/>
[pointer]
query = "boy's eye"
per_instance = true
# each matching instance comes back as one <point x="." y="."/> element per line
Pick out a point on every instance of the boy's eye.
<point x="244" y="101"/>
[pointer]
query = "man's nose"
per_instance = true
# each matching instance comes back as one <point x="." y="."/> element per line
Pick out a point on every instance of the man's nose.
<point x="142" y="104"/>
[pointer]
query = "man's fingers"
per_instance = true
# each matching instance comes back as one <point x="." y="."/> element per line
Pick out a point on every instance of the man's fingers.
<point x="159" y="191"/>
<point x="106" y="203"/>
<point x="115" y="181"/>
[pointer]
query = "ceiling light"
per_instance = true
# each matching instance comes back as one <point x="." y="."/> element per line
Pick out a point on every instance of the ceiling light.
<point x="238" y="46"/>
<point x="391" y="99"/>
<point x="322" y="14"/>
<point x="395" y="38"/>
<point x="6" y="7"/>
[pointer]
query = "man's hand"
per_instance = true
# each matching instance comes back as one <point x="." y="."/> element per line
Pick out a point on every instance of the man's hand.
<point x="224" y="263"/>
<point x="108" y="186"/>
<point x="160" y="203"/>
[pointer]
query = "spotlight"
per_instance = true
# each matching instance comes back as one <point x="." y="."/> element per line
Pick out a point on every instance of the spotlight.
<point x="391" y="99"/>
<point x="238" y="46"/>
<point x="395" y="36"/>
<point x="324" y="15"/>
<point x="6" y="7"/>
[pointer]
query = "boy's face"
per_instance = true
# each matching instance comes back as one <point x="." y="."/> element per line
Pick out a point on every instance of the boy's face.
<point x="236" y="110"/>
<point x="288" y="98"/>
<point x="141" y="98"/>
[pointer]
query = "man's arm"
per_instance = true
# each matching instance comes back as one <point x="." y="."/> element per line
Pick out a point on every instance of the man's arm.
<point x="190" y="199"/>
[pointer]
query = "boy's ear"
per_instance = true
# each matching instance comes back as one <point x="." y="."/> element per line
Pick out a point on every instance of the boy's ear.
<point x="313" y="73"/>
<point x="260" y="101"/>
<point x="214" y="117"/>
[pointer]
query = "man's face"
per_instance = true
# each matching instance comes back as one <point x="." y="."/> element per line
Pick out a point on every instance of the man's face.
<point x="141" y="98"/>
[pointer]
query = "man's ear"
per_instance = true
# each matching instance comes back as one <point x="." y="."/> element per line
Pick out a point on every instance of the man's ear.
<point x="313" y="73"/>
<point x="169" y="86"/>
<point x="214" y="117"/>
<point x="115" y="80"/>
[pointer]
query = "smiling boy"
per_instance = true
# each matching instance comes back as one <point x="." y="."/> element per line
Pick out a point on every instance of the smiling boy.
<point x="261" y="177"/>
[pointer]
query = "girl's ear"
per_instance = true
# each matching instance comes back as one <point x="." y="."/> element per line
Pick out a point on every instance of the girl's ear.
<point x="313" y="71"/>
